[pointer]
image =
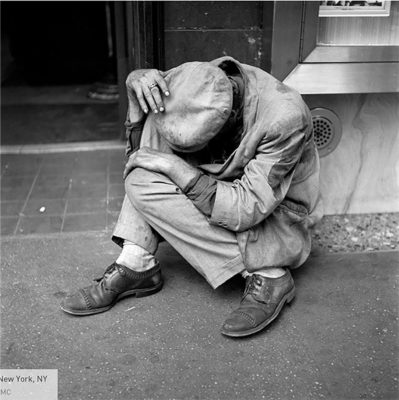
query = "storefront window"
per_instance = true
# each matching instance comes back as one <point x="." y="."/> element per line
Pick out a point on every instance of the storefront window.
<point x="358" y="23"/>
<point x="371" y="8"/>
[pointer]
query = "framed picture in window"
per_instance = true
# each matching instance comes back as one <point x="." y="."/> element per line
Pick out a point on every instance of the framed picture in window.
<point x="361" y="8"/>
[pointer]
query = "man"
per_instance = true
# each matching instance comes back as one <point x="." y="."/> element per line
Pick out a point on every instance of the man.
<point x="223" y="166"/>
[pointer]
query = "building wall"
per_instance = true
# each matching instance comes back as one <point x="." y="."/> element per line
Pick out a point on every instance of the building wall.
<point x="205" y="30"/>
<point x="362" y="174"/>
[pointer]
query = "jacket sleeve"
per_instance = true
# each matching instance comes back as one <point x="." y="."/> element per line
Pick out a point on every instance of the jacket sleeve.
<point x="202" y="191"/>
<point x="243" y="203"/>
<point x="133" y="134"/>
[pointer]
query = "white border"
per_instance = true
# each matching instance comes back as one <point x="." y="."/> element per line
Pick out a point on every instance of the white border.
<point x="356" y="11"/>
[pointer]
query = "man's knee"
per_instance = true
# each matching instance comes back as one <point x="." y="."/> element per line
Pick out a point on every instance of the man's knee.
<point x="142" y="187"/>
<point x="138" y="185"/>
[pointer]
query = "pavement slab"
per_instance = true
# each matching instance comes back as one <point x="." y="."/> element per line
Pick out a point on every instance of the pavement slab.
<point x="338" y="339"/>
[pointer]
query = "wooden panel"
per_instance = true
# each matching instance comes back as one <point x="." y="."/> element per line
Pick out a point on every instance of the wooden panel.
<point x="328" y="54"/>
<point x="345" y="78"/>
<point x="361" y="30"/>
<point x="360" y="176"/>
<point x="144" y="34"/>
<point x="207" y="45"/>
<point x="122" y="61"/>
<point x="212" y="14"/>
<point x="286" y="37"/>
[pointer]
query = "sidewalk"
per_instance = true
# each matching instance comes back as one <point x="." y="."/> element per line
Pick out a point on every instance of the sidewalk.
<point x="337" y="341"/>
<point x="61" y="192"/>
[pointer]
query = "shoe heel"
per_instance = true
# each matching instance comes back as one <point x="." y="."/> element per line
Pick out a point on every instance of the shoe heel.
<point x="290" y="296"/>
<point x="149" y="292"/>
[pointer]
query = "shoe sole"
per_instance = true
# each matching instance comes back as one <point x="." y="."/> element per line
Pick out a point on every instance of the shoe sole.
<point x="287" y="299"/>
<point x="130" y="293"/>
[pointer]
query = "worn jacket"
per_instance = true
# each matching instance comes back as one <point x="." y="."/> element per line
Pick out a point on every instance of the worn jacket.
<point x="268" y="189"/>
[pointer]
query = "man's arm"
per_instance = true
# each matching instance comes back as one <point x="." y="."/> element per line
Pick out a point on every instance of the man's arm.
<point x="247" y="201"/>
<point x="171" y="165"/>
<point x="199" y="188"/>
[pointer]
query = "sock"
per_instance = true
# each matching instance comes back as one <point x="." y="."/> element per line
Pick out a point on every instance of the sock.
<point x="135" y="257"/>
<point x="267" y="273"/>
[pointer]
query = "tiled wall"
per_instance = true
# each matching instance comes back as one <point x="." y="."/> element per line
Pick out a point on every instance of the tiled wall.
<point x="362" y="174"/>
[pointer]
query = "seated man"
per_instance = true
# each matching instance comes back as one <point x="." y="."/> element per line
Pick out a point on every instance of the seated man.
<point x="222" y="165"/>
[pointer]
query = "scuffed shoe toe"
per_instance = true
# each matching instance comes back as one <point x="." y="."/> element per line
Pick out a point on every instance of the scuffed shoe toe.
<point x="237" y="322"/>
<point x="75" y="303"/>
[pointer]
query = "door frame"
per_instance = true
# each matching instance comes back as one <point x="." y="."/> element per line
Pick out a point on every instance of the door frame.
<point x="139" y="43"/>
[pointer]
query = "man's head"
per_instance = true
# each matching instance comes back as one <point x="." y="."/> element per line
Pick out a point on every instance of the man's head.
<point x="199" y="105"/>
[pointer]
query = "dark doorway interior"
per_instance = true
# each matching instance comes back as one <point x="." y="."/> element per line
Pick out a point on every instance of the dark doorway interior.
<point x="58" y="72"/>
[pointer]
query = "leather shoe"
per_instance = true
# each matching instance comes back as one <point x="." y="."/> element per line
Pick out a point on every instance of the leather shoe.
<point x="117" y="282"/>
<point x="261" y="303"/>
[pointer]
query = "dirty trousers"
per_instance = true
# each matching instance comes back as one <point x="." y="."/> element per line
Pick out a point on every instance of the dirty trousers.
<point x="155" y="206"/>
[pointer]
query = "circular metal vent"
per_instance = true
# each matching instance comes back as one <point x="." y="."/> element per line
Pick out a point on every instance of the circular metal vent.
<point x="327" y="130"/>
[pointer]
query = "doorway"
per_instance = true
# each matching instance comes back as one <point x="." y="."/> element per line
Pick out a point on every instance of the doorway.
<point x="59" y="80"/>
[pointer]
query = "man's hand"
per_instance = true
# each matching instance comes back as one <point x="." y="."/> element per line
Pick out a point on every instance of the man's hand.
<point x="145" y="86"/>
<point x="148" y="158"/>
<point x="180" y="172"/>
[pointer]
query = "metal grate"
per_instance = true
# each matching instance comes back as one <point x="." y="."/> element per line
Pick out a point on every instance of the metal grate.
<point x="323" y="131"/>
<point x="327" y="130"/>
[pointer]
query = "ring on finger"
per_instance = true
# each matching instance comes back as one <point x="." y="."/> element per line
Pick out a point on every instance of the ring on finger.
<point x="152" y="86"/>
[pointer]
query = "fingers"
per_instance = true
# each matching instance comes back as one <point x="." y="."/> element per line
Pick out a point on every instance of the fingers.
<point x="134" y="160"/>
<point x="145" y="87"/>
<point x="157" y="98"/>
<point x="129" y="165"/>
<point x="161" y="83"/>
<point x="127" y="170"/>
<point x="151" y="83"/>
<point x="140" y="98"/>
<point x="149" y="86"/>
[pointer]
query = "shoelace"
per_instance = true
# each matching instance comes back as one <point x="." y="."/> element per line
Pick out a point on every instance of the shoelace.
<point x="108" y="271"/>
<point x="253" y="284"/>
